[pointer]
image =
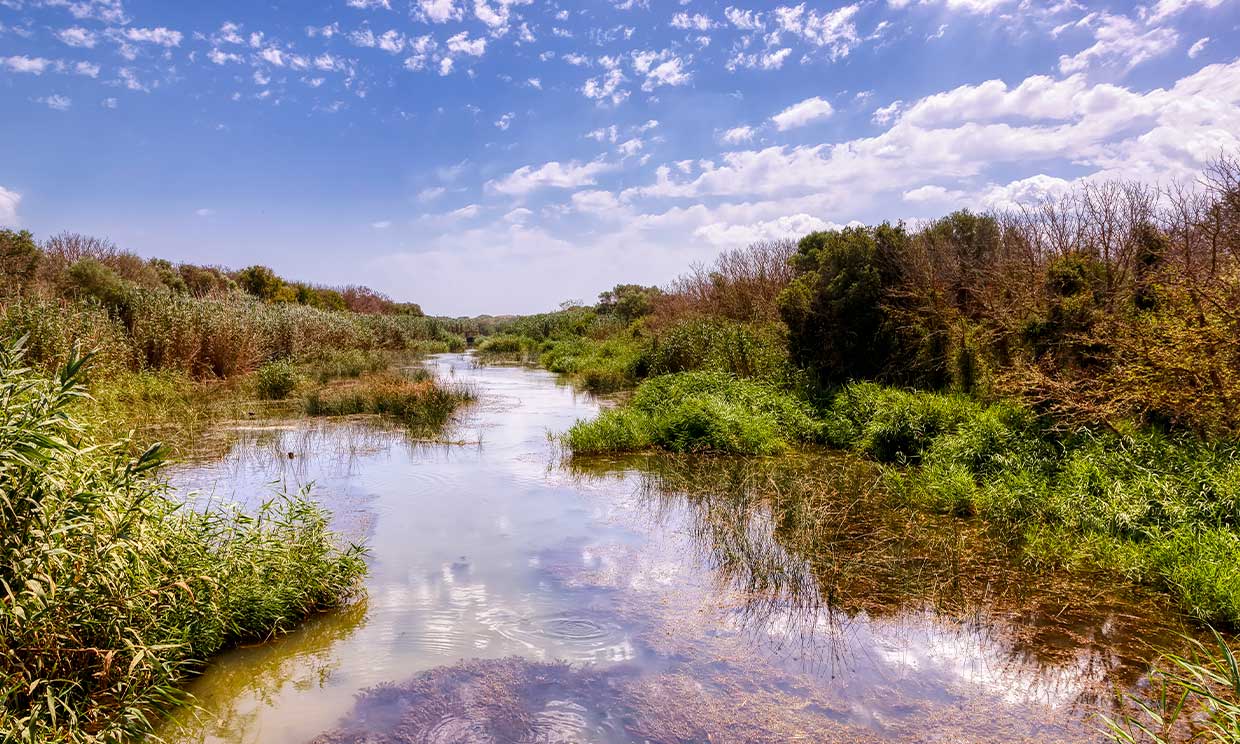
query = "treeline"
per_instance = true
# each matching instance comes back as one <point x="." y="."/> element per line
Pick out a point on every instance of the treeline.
<point x="1116" y="304"/>
<point x="204" y="321"/>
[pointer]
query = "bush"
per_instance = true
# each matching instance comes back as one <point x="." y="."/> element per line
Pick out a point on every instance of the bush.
<point x="276" y="380"/>
<point x="742" y="349"/>
<point x="116" y="591"/>
<point x="417" y="401"/>
<point x="699" y="412"/>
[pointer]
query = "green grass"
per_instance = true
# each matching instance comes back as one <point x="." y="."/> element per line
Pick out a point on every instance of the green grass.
<point x="416" y="400"/>
<point x="699" y="412"/>
<point x="115" y="591"/>
<point x="1157" y="509"/>
<point x="275" y="380"/>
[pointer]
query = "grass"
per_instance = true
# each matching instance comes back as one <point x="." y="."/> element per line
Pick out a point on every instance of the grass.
<point x="699" y="412"/>
<point x="1157" y="509"/>
<point x="416" y="400"/>
<point x="1195" y="695"/>
<point x="115" y="591"/>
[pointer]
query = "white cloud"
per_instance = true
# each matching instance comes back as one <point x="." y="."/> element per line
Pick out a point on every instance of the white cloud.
<point x="766" y="60"/>
<point x="789" y="226"/>
<point x="9" y="202"/>
<point x="439" y="11"/>
<point x="159" y="36"/>
<point x="670" y="72"/>
<point x="370" y="4"/>
<point x="57" y="102"/>
<point x="745" y="20"/>
<point x="77" y="36"/>
<point x="431" y="194"/>
<point x="737" y="135"/>
<point x="462" y="44"/>
<point x="87" y="69"/>
<point x="1118" y="41"/>
<point x="220" y="57"/>
<point x="1164" y="9"/>
<point x="204" y="212"/>
<point x="833" y="30"/>
<point x="381" y="224"/>
<point x="800" y="114"/>
<point x="697" y="21"/>
<point x="30" y="65"/>
<point x="606" y="87"/>
<point x="504" y="121"/>
<point x="1198" y="47"/>
<point x="553" y="174"/>
<point x="595" y="202"/>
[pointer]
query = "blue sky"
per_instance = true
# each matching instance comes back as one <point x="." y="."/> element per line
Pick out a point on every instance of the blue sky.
<point x="502" y="156"/>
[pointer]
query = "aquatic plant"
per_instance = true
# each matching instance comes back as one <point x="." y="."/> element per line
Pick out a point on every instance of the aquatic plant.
<point x="275" y="380"/>
<point x="115" y="591"/>
<point x="415" y="399"/>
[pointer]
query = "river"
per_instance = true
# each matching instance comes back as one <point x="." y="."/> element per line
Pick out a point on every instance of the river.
<point x="514" y="596"/>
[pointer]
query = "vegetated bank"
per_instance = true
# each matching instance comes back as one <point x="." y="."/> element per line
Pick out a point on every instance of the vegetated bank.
<point x="178" y="346"/>
<point x="114" y="590"/>
<point x="1067" y="369"/>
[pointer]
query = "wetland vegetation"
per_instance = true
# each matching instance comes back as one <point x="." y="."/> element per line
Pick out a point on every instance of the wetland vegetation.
<point x="1029" y="414"/>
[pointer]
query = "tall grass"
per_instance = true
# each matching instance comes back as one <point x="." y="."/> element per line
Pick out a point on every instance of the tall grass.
<point x="416" y="400"/>
<point x="114" y="591"/>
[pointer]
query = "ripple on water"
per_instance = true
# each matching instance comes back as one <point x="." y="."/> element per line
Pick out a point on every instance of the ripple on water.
<point x="569" y="636"/>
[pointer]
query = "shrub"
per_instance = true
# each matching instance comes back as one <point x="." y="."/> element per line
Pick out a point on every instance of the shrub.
<point x="699" y="412"/>
<point x="416" y="401"/>
<point x="117" y="592"/>
<point x="276" y="380"/>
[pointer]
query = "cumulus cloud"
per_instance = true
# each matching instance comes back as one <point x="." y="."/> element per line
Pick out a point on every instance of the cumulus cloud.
<point x="160" y="36"/>
<point x="9" y="202"/>
<point x="77" y="36"/>
<point x="29" y="65"/>
<point x="57" y="102"/>
<point x="800" y="114"/>
<point x="1118" y="41"/>
<point x="737" y="135"/>
<point x="439" y="11"/>
<point x="554" y="174"/>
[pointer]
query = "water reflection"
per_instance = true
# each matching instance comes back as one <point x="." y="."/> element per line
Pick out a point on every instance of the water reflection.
<point x="654" y="599"/>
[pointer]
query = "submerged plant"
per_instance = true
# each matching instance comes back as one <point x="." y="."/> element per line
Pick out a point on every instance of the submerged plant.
<point x="114" y="590"/>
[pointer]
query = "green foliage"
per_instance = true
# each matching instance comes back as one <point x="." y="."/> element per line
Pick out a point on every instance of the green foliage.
<point x="19" y="260"/>
<point x="699" y="412"/>
<point x="837" y="323"/>
<point x="90" y="279"/>
<point x="628" y="302"/>
<point x="114" y="590"/>
<point x="602" y="366"/>
<point x="742" y="349"/>
<point x="276" y="380"/>
<point x="261" y="282"/>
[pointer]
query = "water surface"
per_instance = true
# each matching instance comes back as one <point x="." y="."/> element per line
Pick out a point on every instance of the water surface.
<point x="515" y="597"/>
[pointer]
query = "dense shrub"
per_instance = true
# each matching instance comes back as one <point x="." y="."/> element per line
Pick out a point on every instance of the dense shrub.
<point x="276" y="380"/>
<point x="743" y="349"/>
<point x="116" y="592"/>
<point x="699" y="412"/>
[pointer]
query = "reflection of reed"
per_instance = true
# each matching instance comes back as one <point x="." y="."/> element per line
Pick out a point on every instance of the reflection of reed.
<point x="244" y="682"/>
<point x="827" y="569"/>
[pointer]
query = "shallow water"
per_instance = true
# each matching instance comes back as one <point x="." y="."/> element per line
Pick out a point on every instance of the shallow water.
<point x="692" y="600"/>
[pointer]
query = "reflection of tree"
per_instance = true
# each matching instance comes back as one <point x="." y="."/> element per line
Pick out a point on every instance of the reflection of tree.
<point x="231" y="698"/>
<point x="819" y="552"/>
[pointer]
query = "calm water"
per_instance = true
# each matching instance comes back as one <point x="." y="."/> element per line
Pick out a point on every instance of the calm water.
<point x="684" y="595"/>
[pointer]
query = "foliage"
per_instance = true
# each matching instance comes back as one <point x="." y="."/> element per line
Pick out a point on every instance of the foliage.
<point x="699" y="412"/>
<point x="702" y="343"/>
<point x="114" y="591"/>
<point x="415" y="400"/>
<point x="275" y="380"/>
<point x="628" y="302"/>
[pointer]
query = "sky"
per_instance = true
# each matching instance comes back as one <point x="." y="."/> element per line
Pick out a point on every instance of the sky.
<point x="503" y="156"/>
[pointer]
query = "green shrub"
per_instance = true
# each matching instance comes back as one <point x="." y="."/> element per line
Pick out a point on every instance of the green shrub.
<point x="742" y="349"/>
<point x="276" y="380"/>
<point x="115" y="591"/>
<point x="416" y="400"/>
<point x="699" y="412"/>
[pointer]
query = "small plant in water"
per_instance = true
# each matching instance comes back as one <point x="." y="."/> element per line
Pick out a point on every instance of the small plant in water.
<point x="1197" y="698"/>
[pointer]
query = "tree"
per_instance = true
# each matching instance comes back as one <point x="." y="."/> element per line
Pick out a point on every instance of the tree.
<point x="628" y="302"/>
<point x="19" y="259"/>
<point x="838" y="325"/>
<point x="261" y="282"/>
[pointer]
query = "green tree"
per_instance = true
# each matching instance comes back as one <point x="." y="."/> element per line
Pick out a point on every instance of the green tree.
<point x="261" y="282"/>
<point x="628" y="301"/>
<point x="19" y="259"/>
<point x="838" y="325"/>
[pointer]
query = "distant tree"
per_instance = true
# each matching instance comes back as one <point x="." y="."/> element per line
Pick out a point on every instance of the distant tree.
<point x="628" y="301"/>
<point x="19" y="259"/>
<point x="89" y="278"/>
<point x="261" y="282"/>
<point x="73" y="247"/>
<point x="202" y="281"/>
<point x="169" y="276"/>
<point x="361" y="299"/>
